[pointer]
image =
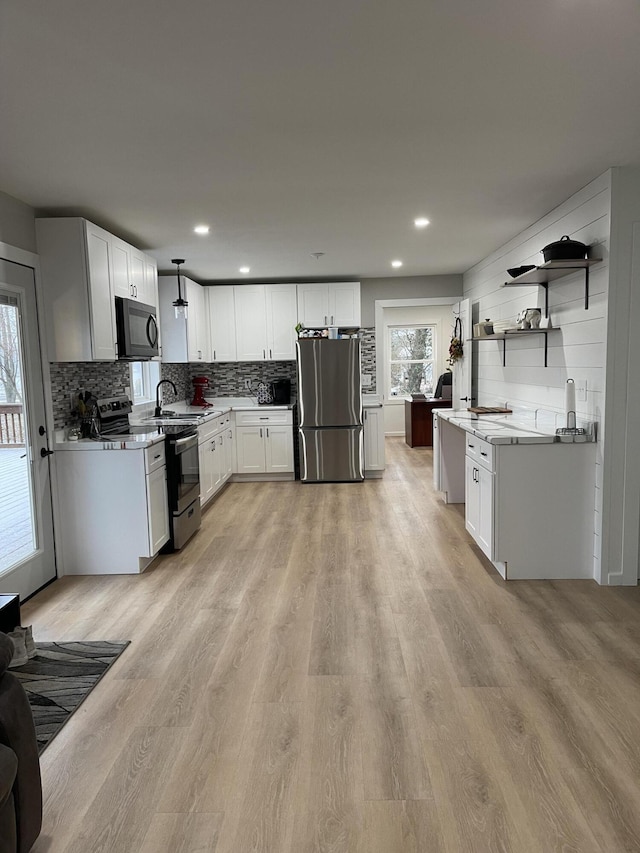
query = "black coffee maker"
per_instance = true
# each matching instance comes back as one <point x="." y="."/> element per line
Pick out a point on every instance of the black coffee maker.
<point x="281" y="392"/>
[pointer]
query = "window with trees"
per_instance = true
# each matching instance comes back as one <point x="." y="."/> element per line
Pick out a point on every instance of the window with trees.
<point x="411" y="360"/>
<point x="144" y="377"/>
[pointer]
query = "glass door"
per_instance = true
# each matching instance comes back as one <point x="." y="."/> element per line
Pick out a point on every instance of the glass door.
<point x="27" y="559"/>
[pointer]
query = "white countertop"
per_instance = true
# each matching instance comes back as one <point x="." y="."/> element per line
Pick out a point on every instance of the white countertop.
<point x="504" y="428"/>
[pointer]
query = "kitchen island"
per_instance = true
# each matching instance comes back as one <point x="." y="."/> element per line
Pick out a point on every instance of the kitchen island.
<point x="529" y="497"/>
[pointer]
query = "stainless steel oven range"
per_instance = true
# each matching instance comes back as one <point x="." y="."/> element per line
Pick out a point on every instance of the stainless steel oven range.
<point x="183" y="473"/>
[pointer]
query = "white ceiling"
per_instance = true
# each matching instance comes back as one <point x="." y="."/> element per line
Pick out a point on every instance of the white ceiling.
<point x="293" y="127"/>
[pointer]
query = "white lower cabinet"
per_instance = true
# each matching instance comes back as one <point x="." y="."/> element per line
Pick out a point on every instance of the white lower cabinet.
<point x="264" y="443"/>
<point x="374" y="461"/>
<point x="528" y="506"/>
<point x="120" y="525"/>
<point x="215" y="447"/>
<point x="157" y="515"/>
<point x="479" y="485"/>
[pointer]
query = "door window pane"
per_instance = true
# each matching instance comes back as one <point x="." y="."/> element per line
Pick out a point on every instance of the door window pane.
<point x="17" y="527"/>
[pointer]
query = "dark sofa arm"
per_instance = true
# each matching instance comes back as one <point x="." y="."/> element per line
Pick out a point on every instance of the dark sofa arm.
<point x="8" y="770"/>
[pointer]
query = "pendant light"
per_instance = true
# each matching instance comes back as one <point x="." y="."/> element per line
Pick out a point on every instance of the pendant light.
<point x="180" y="304"/>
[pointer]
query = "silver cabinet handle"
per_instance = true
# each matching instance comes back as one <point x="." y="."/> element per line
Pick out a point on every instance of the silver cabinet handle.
<point x="264" y="354"/>
<point x="482" y="453"/>
<point x="325" y="319"/>
<point x="471" y="446"/>
<point x="260" y="432"/>
<point x="332" y="319"/>
<point x="267" y="432"/>
<point x="270" y="356"/>
<point x="157" y="456"/>
<point x="214" y="355"/>
<point x="365" y="414"/>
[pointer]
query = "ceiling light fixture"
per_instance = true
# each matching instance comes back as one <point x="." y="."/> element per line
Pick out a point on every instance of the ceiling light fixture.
<point x="396" y="264"/>
<point x="421" y="222"/>
<point x="201" y="229"/>
<point x="180" y="304"/>
<point x="245" y="270"/>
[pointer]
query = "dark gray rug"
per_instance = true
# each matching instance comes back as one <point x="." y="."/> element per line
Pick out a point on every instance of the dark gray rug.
<point x="60" y="677"/>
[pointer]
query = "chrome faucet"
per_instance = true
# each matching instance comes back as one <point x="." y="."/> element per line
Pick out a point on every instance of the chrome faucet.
<point x="158" y="409"/>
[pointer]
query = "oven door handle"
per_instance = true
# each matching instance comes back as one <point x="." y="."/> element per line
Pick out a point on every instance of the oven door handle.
<point x="182" y="444"/>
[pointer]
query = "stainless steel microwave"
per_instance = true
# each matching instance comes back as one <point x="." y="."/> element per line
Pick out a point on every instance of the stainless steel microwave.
<point x="137" y="329"/>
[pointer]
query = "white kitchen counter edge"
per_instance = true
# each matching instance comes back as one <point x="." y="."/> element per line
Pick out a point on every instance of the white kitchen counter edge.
<point x="138" y="442"/>
<point x="510" y="432"/>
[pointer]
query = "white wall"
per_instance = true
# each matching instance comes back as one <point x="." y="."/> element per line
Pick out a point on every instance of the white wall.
<point x="578" y="349"/>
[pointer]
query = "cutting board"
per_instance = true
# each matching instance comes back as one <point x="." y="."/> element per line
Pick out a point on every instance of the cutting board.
<point x="489" y="410"/>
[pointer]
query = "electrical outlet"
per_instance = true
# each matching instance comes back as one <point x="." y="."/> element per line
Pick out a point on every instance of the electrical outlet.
<point x="581" y="390"/>
<point x="366" y="380"/>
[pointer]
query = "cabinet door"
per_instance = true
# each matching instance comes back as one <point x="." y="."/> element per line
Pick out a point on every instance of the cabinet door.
<point x="250" y="450"/>
<point x="158" y="509"/>
<point x="102" y="307"/>
<point x="472" y="497"/>
<point x="136" y="275"/>
<point x="344" y="303"/>
<point x="150" y="281"/>
<point x="281" y="313"/>
<point x="197" y="322"/>
<point x="120" y="275"/>
<point x="206" y="461"/>
<point x="313" y="305"/>
<point x="485" y="511"/>
<point x="222" y="323"/>
<point x="373" y="440"/>
<point x="229" y="451"/>
<point x="251" y="326"/>
<point x="278" y="449"/>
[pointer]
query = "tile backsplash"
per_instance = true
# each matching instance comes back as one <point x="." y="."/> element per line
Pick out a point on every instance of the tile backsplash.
<point x="70" y="377"/>
<point x="227" y="379"/>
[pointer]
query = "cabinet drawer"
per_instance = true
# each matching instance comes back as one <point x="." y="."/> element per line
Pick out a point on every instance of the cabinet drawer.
<point x="262" y="417"/>
<point x="210" y="428"/>
<point x="154" y="457"/>
<point x="481" y="451"/>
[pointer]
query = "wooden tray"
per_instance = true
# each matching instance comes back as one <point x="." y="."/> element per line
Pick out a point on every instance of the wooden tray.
<point x="489" y="410"/>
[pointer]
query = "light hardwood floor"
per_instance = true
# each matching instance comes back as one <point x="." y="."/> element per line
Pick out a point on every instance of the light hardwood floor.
<point x="336" y="668"/>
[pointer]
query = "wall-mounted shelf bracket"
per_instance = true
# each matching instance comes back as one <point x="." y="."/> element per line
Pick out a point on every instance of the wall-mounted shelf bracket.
<point x="542" y="275"/>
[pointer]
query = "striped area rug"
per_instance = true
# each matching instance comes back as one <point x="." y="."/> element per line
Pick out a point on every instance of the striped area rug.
<point x="60" y="677"/>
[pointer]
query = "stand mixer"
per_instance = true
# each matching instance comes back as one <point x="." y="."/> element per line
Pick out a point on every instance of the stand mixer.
<point x="200" y="383"/>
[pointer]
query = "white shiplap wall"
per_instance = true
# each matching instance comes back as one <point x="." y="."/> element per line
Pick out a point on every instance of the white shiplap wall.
<point x="578" y="349"/>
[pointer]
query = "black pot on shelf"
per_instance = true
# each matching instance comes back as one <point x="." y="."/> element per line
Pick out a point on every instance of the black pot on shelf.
<point x="565" y="249"/>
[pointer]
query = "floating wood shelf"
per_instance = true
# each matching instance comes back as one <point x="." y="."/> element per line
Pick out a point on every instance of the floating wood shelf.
<point x="542" y="275"/>
<point x="516" y="333"/>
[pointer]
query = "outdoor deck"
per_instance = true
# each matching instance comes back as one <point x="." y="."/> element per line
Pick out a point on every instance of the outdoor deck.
<point x="16" y="534"/>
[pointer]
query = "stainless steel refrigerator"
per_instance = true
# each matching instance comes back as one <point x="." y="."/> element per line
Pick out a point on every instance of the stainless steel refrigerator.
<point x="330" y="410"/>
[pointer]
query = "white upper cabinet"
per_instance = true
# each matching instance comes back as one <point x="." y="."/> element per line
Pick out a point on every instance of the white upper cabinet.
<point x="265" y="317"/>
<point x="251" y="327"/>
<point x="79" y="311"/>
<point x="133" y="274"/>
<point x="331" y="304"/>
<point x="183" y="340"/>
<point x="197" y="322"/>
<point x="222" y="323"/>
<point x="281" y="316"/>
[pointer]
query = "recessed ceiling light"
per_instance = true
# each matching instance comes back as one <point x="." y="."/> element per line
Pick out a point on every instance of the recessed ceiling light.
<point x="396" y="263"/>
<point x="421" y="222"/>
<point x="245" y="270"/>
<point x="201" y="229"/>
